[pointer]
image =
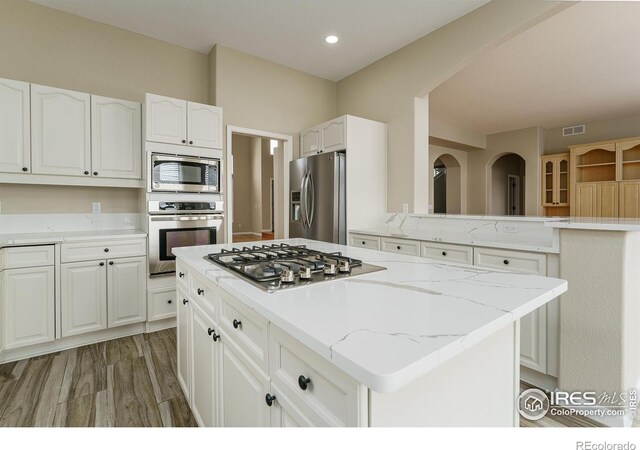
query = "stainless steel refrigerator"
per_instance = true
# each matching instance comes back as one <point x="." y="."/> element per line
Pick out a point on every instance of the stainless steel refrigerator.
<point x="318" y="198"/>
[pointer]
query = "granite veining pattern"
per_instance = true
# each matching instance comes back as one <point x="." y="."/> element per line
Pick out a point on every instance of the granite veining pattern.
<point x="385" y="329"/>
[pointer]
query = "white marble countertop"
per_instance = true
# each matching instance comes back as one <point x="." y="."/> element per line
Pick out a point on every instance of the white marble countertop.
<point x="55" y="237"/>
<point x="388" y="328"/>
<point x="594" y="223"/>
<point x="514" y="243"/>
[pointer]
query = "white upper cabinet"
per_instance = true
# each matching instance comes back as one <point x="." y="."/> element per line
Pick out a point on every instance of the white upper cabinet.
<point x="166" y="119"/>
<point x="204" y="125"/>
<point x="174" y="121"/>
<point x="115" y="138"/>
<point x="60" y="131"/>
<point x="15" y="141"/>
<point x="334" y="135"/>
<point x="310" y="141"/>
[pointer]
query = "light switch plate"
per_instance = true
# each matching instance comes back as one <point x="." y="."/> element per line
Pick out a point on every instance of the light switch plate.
<point x="96" y="207"/>
<point x="405" y="208"/>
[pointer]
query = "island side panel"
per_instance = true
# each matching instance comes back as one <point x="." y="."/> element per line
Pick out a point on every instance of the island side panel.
<point x="478" y="388"/>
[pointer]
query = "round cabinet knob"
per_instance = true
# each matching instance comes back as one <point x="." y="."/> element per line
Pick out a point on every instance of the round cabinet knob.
<point x="184" y="141"/>
<point x="506" y="261"/>
<point x="25" y="169"/>
<point x="444" y="253"/>
<point x="111" y="263"/>
<point x="363" y="243"/>
<point x="303" y="382"/>
<point x="185" y="301"/>
<point x="211" y="331"/>
<point x="190" y="142"/>
<point x="200" y="291"/>
<point x="181" y="275"/>
<point x="101" y="264"/>
<point x="270" y="399"/>
<point x="398" y="247"/>
<point x="236" y="323"/>
<point x="95" y="173"/>
<point x="106" y="250"/>
<point x="86" y="172"/>
<point x="169" y="301"/>
<point x="215" y="337"/>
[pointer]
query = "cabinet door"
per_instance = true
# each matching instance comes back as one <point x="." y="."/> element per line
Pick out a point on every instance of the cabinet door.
<point x="607" y="200"/>
<point x="561" y="168"/>
<point x="244" y="388"/>
<point x="310" y="142"/>
<point x="83" y="297"/>
<point x="28" y="306"/>
<point x="585" y="204"/>
<point x="205" y="368"/>
<point x="126" y="288"/>
<point x="184" y="344"/>
<point x="204" y="125"/>
<point x="285" y="413"/>
<point x="166" y="119"/>
<point x="116" y="149"/>
<point x="15" y="127"/>
<point x="334" y="135"/>
<point x="630" y="200"/>
<point x="60" y="131"/>
<point x="548" y="181"/>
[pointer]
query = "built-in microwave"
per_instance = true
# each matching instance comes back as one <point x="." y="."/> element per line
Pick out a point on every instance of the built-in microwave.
<point x="177" y="173"/>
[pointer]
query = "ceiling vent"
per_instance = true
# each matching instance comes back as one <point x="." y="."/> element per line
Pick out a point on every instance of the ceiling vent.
<point x="571" y="131"/>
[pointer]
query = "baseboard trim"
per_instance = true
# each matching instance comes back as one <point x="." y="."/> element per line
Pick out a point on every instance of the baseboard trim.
<point x="160" y="325"/>
<point x="248" y="233"/>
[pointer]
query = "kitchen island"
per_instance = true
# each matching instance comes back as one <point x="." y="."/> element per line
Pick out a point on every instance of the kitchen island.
<point x="422" y="343"/>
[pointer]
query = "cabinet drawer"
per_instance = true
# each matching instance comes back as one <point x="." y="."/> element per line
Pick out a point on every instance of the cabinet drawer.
<point x="206" y="295"/>
<point x="402" y="246"/>
<point x="30" y="256"/>
<point x="86" y="251"/>
<point x="364" y="241"/>
<point x="182" y="277"/>
<point x="535" y="263"/>
<point x="331" y="397"/>
<point x="162" y="304"/>
<point x="447" y="252"/>
<point x="247" y="329"/>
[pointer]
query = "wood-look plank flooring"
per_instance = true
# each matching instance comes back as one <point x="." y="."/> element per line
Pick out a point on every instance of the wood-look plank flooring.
<point x="126" y="382"/>
<point x="252" y="237"/>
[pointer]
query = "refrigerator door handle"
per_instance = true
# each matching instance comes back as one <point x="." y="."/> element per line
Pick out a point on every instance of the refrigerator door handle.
<point x="303" y="201"/>
<point x="313" y="200"/>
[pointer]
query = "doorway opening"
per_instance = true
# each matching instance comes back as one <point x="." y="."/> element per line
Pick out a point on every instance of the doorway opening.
<point x="507" y="193"/>
<point x="447" y="185"/>
<point x="257" y="173"/>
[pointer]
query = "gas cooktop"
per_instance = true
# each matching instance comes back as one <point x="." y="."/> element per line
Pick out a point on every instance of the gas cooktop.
<point x="280" y="266"/>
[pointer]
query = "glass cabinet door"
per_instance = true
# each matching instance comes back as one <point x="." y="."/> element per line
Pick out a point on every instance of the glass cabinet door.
<point x="562" y="183"/>
<point x="548" y="181"/>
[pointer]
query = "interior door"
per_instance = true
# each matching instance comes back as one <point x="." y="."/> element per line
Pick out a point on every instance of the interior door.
<point x="297" y="174"/>
<point x="324" y="185"/>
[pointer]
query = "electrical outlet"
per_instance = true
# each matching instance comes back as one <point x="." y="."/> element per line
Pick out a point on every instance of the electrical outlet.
<point x="96" y="207"/>
<point x="511" y="228"/>
<point x="405" y="208"/>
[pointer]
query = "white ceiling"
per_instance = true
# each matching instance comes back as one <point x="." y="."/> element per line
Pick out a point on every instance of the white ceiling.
<point x="580" y="65"/>
<point x="289" y="32"/>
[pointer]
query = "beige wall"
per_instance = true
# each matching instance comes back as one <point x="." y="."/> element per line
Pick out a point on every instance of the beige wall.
<point x="506" y="165"/>
<point x="266" y="175"/>
<point x="242" y="192"/>
<point x="45" y="46"/>
<point x="262" y="95"/>
<point x="256" y="185"/>
<point x="456" y="178"/>
<point x="601" y="130"/>
<point x="528" y="144"/>
<point x="386" y="89"/>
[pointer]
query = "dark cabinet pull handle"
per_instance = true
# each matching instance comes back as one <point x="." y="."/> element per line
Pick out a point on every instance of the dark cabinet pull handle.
<point x="95" y="173"/>
<point x="184" y="141"/>
<point x="181" y="275"/>
<point x="106" y="250"/>
<point x="200" y="291"/>
<point x="101" y="264"/>
<point x="169" y="301"/>
<point x="86" y="172"/>
<point x="304" y="382"/>
<point x="215" y="337"/>
<point x="111" y="263"/>
<point x="211" y="331"/>
<point x="25" y="169"/>
<point x="236" y="323"/>
<point x="270" y="399"/>
<point x="185" y="301"/>
<point x="362" y="242"/>
<point x="444" y="253"/>
<point x="506" y="261"/>
<point x="190" y="142"/>
<point x="398" y="247"/>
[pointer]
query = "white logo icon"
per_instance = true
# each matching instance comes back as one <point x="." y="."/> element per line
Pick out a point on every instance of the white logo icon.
<point x="533" y="404"/>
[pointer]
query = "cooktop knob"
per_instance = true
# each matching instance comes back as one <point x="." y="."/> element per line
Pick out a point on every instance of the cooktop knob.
<point x="344" y="266"/>
<point x="305" y="273"/>
<point x="329" y="269"/>
<point x="287" y="276"/>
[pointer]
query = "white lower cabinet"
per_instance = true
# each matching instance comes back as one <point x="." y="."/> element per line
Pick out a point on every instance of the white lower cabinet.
<point x="285" y="413"/>
<point x="185" y="318"/>
<point x="205" y="369"/>
<point x="126" y="286"/>
<point x="83" y="297"/>
<point x="27" y="309"/>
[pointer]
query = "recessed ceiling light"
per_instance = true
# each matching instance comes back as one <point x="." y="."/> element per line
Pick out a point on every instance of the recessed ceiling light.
<point x="331" y="39"/>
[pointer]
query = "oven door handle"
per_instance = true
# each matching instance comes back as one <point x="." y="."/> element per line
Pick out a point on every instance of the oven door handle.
<point x="184" y="218"/>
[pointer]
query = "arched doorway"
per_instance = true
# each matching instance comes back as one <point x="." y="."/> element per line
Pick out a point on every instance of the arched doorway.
<point x="506" y="185"/>
<point x="447" y="185"/>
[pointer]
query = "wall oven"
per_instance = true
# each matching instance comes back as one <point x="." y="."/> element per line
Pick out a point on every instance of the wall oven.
<point x="181" y="224"/>
<point x="177" y="173"/>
